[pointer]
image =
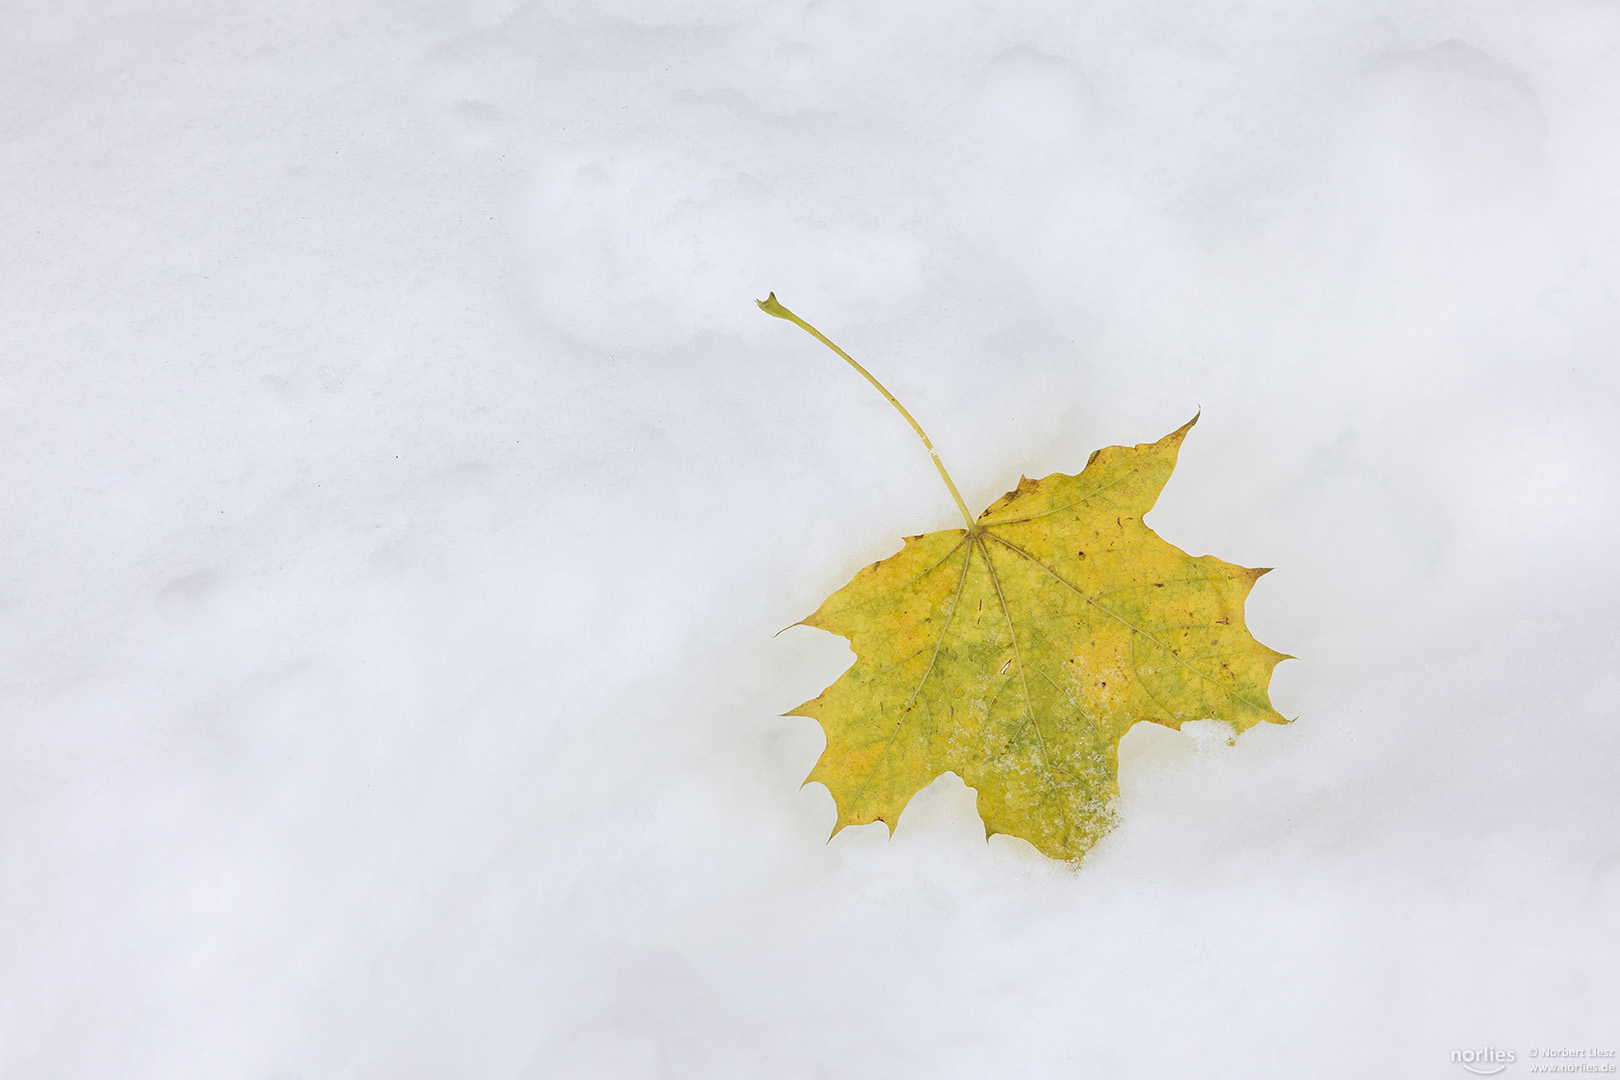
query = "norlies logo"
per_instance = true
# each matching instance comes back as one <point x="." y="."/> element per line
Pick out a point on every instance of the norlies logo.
<point x="1486" y="1062"/>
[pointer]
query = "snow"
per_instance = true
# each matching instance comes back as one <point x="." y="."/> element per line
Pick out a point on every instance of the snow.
<point x="402" y="496"/>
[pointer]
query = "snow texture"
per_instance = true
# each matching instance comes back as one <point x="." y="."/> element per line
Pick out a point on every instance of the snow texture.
<point x="402" y="494"/>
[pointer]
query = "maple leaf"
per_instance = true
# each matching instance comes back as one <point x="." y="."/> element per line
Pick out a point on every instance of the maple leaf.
<point x="1018" y="651"/>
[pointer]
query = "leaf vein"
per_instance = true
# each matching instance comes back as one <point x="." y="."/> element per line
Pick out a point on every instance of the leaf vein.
<point x="1119" y="618"/>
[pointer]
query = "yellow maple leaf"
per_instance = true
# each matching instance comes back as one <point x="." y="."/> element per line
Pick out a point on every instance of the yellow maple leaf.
<point x="1018" y="651"/>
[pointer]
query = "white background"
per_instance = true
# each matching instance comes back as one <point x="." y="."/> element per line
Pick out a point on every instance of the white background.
<point x="399" y="494"/>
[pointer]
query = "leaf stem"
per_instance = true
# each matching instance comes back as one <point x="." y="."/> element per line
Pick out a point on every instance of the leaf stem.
<point x="771" y="306"/>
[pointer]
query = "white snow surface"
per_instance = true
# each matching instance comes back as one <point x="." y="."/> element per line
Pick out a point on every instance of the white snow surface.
<point x="402" y="496"/>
